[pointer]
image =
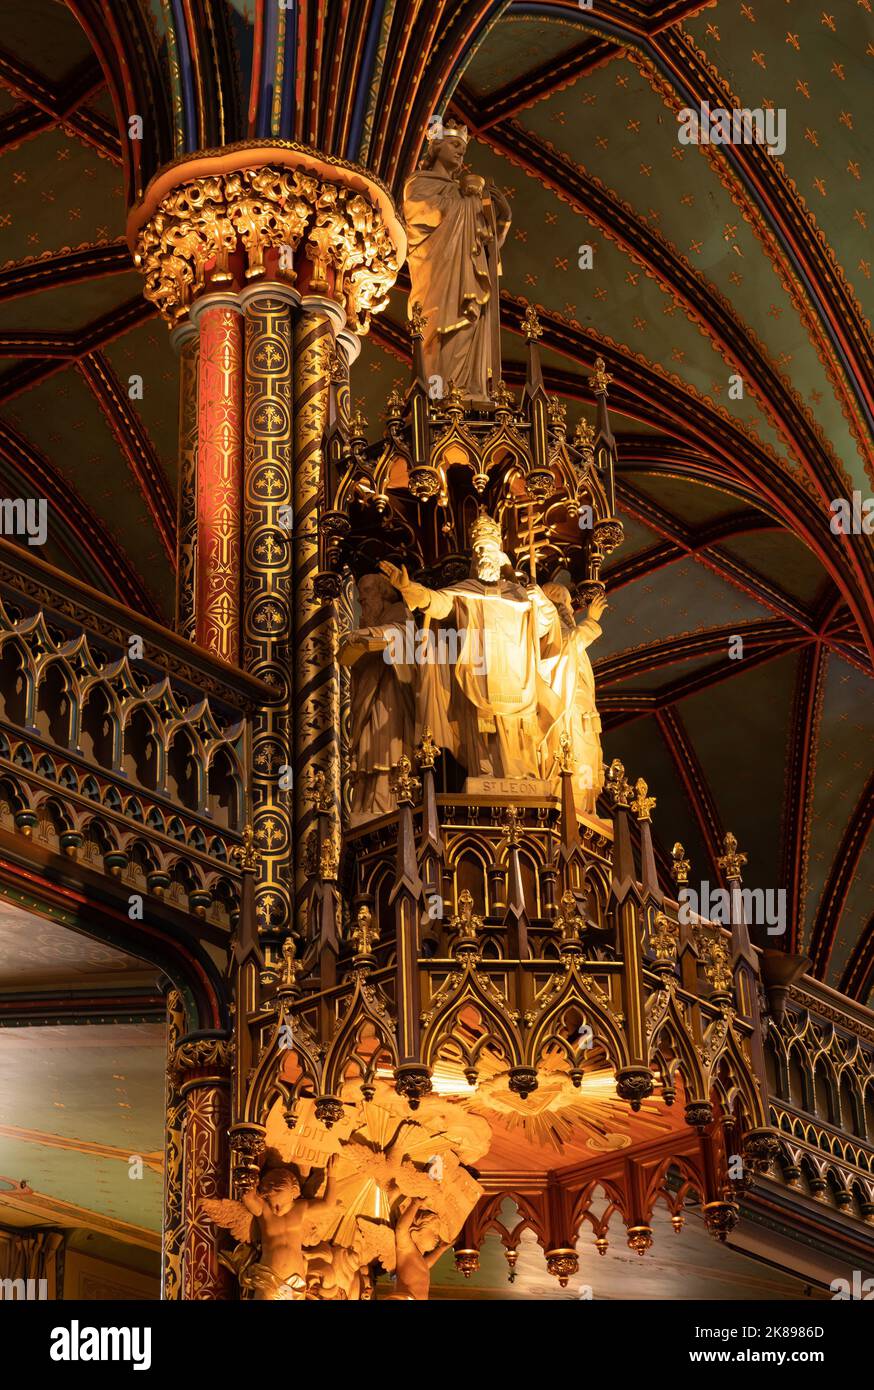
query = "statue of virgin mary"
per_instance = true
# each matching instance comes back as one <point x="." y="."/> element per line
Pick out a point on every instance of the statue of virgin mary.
<point x="456" y="225"/>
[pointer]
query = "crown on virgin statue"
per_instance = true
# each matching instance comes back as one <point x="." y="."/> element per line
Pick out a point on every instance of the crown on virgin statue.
<point x="446" y="130"/>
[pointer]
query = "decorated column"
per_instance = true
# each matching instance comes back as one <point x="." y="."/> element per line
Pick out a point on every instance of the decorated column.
<point x="186" y="341"/>
<point x="267" y="591"/>
<point x="173" y="1231"/>
<point x="219" y="475"/>
<point x="202" y="1073"/>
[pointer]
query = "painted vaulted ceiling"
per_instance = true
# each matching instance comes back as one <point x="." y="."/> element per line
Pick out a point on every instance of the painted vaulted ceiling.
<point x="708" y="263"/>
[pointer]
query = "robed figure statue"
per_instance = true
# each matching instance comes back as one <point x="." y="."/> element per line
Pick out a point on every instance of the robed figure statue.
<point x="456" y="226"/>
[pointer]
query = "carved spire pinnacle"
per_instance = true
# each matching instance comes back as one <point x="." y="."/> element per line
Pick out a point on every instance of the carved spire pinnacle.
<point x="247" y="855"/>
<point x="731" y="861"/>
<point x="427" y="751"/>
<point x="617" y="784"/>
<point x="531" y="324"/>
<point x="403" y="785"/>
<point x="600" y="378"/>
<point x="642" y="804"/>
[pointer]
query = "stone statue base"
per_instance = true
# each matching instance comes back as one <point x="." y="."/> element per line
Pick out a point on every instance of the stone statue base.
<point x="508" y="786"/>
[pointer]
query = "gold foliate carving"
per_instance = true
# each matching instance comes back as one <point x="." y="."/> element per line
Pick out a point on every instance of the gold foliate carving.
<point x="717" y="969"/>
<point x="600" y="378"/>
<point x="731" y="861"/>
<point x="202" y="1054"/>
<point x="664" y="937"/>
<point x="512" y="826"/>
<point x="199" y="224"/>
<point x="681" y="866"/>
<point x="403" y="785"/>
<point x="247" y="855"/>
<point x="427" y="751"/>
<point x="642" y="804"/>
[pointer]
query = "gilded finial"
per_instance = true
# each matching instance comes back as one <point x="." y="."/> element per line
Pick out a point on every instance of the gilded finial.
<point x="452" y="401"/>
<point x="329" y="858"/>
<point x="531" y="324"/>
<point x="569" y="920"/>
<point x="584" y="436"/>
<point x="503" y="398"/>
<point x="731" y="862"/>
<point x="291" y="966"/>
<point x="418" y="320"/>
<point x="466" y="922"/>
<point x="394" y="406"/>
<point x="358" y="425"/>
<point x="642" y="804"/>
<point x="557" y="411"/>
<point x="600" y="378"/>
<point x="403" y="785"/>
<point x="427" y="751"/>
<point x="617" y="784"/>
<point x="364" y="935"/>
<point x="512" y="825"/>
<point x="681" y="866"/>
<point x="247" y="855"/>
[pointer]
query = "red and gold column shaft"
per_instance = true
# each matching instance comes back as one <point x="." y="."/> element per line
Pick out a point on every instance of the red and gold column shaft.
<point x="187" y="343"/>
<point x="267" y="585"/>
<point x="316" y="677"/>
<point x="219" y="475"/>
<point x="202" y="1068"/>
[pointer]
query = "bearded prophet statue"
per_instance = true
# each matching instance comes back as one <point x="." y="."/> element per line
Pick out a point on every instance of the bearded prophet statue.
<point x="488" y="706"/>
<point x="456" y="226"/>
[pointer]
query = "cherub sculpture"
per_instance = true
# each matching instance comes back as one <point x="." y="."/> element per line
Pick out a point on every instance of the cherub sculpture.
<point x="284" y="1223"/>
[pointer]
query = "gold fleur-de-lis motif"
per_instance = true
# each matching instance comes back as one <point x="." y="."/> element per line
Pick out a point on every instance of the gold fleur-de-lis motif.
<point x="642" y="804"/>
<point x="600" y="378"/>
<point x="731" y="862"/>
<point x="512" y="826"/>
<point x="247" y="855"/>
<point x="403" y="784"/>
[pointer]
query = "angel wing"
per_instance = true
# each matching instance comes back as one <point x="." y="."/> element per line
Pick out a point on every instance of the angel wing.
<point x="233" y="1216"/>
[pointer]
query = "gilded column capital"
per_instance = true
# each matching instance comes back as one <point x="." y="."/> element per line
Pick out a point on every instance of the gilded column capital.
<point x="276" y="210"/>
